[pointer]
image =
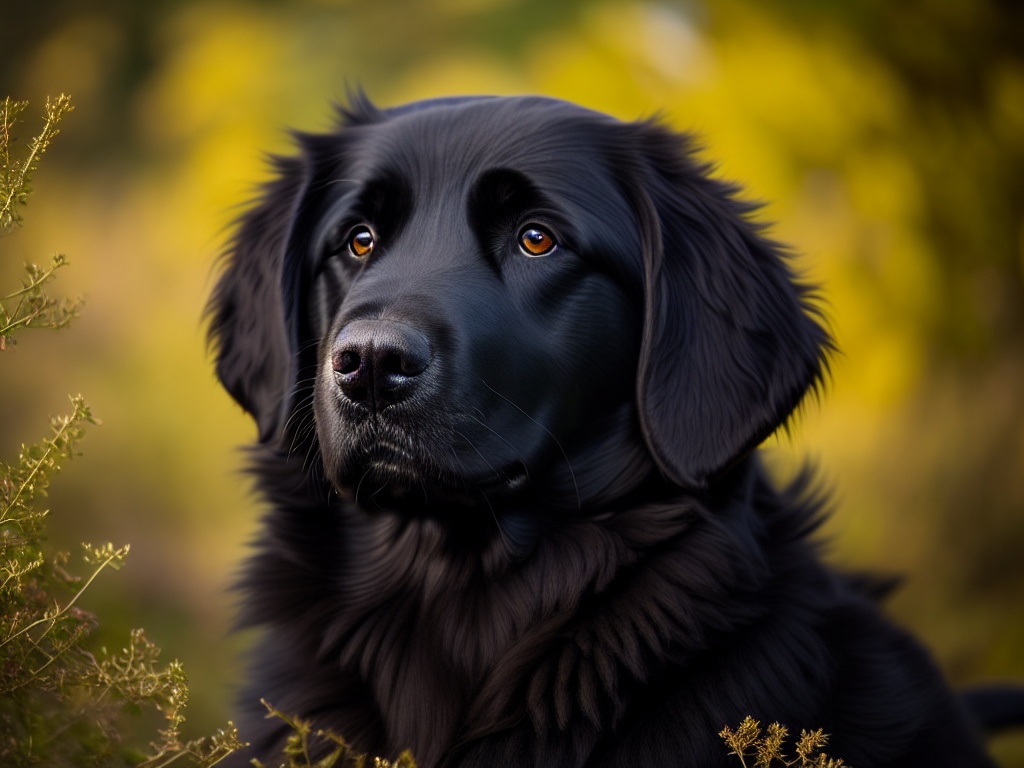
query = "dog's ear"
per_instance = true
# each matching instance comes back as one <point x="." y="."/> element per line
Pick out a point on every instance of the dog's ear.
<point x="731" y="342"/>
<point x="247" y="322"/>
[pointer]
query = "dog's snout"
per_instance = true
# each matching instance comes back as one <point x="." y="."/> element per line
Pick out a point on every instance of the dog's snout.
<point x="376" y="362"/>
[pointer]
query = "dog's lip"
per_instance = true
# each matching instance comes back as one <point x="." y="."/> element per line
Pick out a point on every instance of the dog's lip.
<point x="396" y="464"/>
<point x="386" y="452"/>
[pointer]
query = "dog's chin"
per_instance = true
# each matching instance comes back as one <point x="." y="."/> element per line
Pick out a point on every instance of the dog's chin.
<point x="381" y="479"/>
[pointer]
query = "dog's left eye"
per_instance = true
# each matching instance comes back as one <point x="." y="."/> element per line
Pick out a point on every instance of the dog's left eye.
<point x="536" y="241"/>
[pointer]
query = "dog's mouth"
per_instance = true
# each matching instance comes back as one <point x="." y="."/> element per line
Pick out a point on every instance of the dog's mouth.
<point x="409" y="471"/>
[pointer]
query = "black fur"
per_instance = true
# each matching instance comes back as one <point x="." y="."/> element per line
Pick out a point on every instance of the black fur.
<point x="515" y="515"/>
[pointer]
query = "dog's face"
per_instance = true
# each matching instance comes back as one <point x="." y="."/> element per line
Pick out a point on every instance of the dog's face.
<point x="479" y="300"/>
<point x="478" y="318"/>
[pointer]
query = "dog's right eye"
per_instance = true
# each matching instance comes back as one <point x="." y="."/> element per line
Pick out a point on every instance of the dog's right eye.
<point x="361" y="242"/>
<point x="354" y="242"/>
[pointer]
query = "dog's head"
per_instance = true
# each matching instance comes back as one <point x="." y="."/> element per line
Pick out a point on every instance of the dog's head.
<point x="502" y="296"/>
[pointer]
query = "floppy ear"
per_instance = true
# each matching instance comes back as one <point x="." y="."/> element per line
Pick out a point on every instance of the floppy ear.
<point x="731" y="342"/>
<point x="248" y="329"/>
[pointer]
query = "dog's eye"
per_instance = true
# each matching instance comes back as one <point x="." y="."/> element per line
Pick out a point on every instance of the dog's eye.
<point x="361" y="242"/>
<point x="535" y="241"/>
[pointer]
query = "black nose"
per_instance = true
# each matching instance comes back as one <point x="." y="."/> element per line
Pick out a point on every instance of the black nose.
<point x="376" y="362"/>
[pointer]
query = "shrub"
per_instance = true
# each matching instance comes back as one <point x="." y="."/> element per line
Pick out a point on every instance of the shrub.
<point x="61" y="701"/>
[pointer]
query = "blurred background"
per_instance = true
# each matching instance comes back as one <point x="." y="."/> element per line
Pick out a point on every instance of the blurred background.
<point x="887" y="140"/>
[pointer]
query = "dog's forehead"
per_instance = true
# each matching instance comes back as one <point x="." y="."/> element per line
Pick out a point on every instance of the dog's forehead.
<point x="459" y="140"/>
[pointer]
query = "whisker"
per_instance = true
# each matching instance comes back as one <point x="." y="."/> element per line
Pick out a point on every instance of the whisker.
<point x="302" y="424"/>
<point x="307" y="384"/>
<point x="506" y="542"/>
<point x="300" y="412"/>
<point x="572" y="473"/>
<point x="359" y="485"/>
<point x="374" y="495"/>
<point x="498" y="435"/>
<point x="494" y="516"/>
<point x="480" y="454"/>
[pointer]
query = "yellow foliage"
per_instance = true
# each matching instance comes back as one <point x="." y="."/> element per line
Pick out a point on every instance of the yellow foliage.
<point x="808" y="116"/>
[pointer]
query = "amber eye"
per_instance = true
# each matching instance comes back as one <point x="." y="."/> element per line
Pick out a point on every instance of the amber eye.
<point x="534" y="241"/>
<point x="361" y="242"/>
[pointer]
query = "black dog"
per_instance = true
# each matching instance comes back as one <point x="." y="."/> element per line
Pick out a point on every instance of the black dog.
<point x="510" y="361"/>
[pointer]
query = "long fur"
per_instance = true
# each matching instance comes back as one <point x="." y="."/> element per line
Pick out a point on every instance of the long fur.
<point x="537" y="532"/>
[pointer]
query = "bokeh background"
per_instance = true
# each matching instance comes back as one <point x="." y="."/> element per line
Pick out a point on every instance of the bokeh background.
<point x="887" y="139"/>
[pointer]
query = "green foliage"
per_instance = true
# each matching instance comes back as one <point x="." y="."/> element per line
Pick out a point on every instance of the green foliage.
<point x="748" y="743"/>
<point x="61" y="704"/>
<point x="16" y="177"/>
<point x="298" y="749"/>
<point x="28" y="307"/>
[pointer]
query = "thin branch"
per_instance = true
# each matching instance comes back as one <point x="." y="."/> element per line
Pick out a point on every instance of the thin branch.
<point x="18" y="180"/>
<point x="52" y="619"/>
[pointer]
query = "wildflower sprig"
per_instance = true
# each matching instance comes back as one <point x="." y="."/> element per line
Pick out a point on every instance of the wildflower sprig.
<point x="763" y="749"/>
<point x="29" y="306"/>
<point x="135" y="675"/>
<point x="16" y="175"/>
<point x="303" y="741"/>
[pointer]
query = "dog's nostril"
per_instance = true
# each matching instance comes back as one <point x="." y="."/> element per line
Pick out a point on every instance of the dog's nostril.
<point x="403" y="363"/>
<point x="345" y="361"/>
